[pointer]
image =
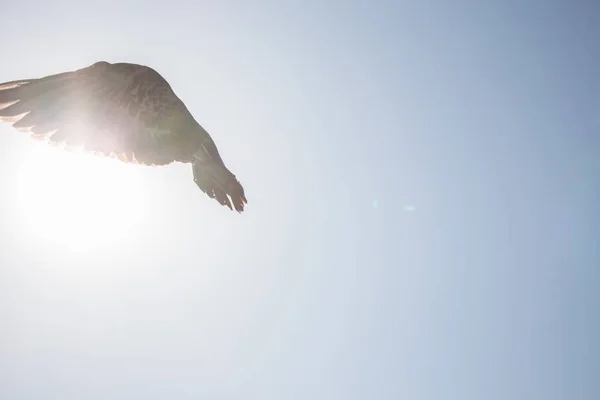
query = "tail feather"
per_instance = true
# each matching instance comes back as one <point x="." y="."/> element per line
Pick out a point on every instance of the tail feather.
<point x="40" y="105"/>
<point x="220" y="184"/>
<point x="11" y="84"/>
<point x="18" y="97"/>
<point x="27" y="88"/>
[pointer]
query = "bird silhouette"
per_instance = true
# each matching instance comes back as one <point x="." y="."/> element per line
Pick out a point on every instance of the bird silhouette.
<point x="122" y="110"/>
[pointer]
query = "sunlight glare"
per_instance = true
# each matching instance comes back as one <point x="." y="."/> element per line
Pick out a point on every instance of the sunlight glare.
<point x="79" y="201"/>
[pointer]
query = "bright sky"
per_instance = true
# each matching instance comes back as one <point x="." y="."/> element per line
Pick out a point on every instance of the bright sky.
<point x="423" y="217"/>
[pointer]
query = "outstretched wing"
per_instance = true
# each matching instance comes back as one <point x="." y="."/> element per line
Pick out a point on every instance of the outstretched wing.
<point x="124" y="110"/>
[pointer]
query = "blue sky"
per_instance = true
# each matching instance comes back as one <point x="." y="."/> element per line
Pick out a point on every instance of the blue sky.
<point x="483" y="117"/>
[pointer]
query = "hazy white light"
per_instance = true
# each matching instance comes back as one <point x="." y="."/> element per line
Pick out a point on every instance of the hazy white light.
<point x="79" y="201"/>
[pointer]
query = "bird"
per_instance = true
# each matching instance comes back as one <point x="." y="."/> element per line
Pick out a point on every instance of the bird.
<point x="120" y="110"/>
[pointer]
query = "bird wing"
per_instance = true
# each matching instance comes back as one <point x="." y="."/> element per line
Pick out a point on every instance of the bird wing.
<point x="123" y="110"/>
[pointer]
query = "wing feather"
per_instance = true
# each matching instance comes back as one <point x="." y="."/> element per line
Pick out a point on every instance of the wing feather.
<point x="128" y="111"/>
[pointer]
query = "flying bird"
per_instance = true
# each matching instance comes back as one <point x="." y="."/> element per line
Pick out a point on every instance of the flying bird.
<point x="122" y="110"/>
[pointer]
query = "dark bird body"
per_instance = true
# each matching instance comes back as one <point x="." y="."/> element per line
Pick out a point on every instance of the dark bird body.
<point x="122" y="110"/>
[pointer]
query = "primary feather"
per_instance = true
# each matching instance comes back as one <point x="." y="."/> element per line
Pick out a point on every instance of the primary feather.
<point x="123" y="110"/>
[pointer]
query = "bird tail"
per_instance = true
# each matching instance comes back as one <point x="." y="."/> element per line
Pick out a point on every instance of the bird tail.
<point x="220" y="184"/>
<point x="19" y="97"/>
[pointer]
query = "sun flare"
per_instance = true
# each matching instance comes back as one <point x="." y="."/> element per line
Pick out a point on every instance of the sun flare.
<point x="79" y="201"/>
